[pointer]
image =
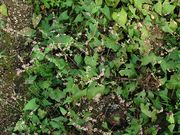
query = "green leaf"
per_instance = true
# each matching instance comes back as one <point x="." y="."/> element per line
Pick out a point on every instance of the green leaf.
<point x="128" y="71"/>
<point x="151" y="58"/>
<point x="152" y="114"/>
<point x="55" y="124"/>
<point x="27" y="31"/>
<point x="65" y="40"/>
<point x="171" y="127"/>
<point x="36" y="19"/>
<point x="79" y="94"/>
<point x="68" y="3"/>
<point x="34" y="119"/>
<point x="79" y="18"/>
<point x="99" y="2"/>
<point x="173" y="83"/>
<point x="91" y="60"/>
<point x="56" y="94"/>
<point x="164" y="66"/>
<point x="111" y="44"/>
<point x="167" y="8"/>
<point x="112" y="3"/>
<point x="3" y="10"/>
<point x="145" y="110"/>
<point x="41" y="113"/>
<point x="106" y="12"/>
<point x="173" y="25"/>
<point x="105" y="125"/>
<point x="138" y="4"/>
<point x="158" y="7"/>
<point x="78" y="58"/>
<point x="63" y="111"/>
<point x="144" y="33"/>
<point x="31" y="105"/>
<point x="37" y="53"/>
<point x="45" y="84"/>
<point x="59" y="62"/>
<point x="133" y="11"/>
<point x="120" y="17"/>
<point x="93" y="90"/>
<point x="64" y="16"/>
<point x="166" y="28"/>
<point x="170" y="118"/>
<point x="30" y="80"/>
<point x="20" y="126"/>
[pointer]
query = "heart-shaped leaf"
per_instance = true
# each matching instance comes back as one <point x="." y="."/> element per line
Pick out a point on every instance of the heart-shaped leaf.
<point x="120" y="17"/>
<point x="3" y="10"/>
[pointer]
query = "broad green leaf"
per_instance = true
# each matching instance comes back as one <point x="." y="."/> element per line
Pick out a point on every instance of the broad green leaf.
<point x="144" y="33"/>
<point x="92" y="91"/>
<point x="91" y="60"/>
<point x="31" y="105"/>
<point x="36" y="19"/>
<point x="46" y="4"/>
<point x="173" y="25"/>
<point x="45" y="103"/>
<point x="65" y="40"/>
<point x="111" y="44"/>
<point x="173" y="83"/>
<point x="45" y="84"/>
<point x="120" y="17"/>
<point x="99" y="2"/>
<point x="158" y="7"/>
<point x="79" y="18"/>
<point x="56" y="94"/>
<point x="105" y="125"/>
<point x="145" y="109"/>
<point x="55" y="124"/>
<point x="106" y="12"/>
<point x="63" y="111"/>
<point x="68" y="3"/>
<point x="59" y="62"/>
<point x="166" y="28"/>
<point x="171" y="127"/>
<point x="80" y="93"/>
<point x="167" y="8"/>
<point x="78" y="58"/>
<point x="151" y="58"/>
<point x="128" y="88"/>
<point x="20" y="126"/>
<point x="128" y="71"/>
<point x="3" y="10"/>
<point x="64" y="16"/>
<point x="164" y="65"/>
<point x="35" y="118"/>
<point x="164" y="95"/>
<point x="37" y="53"/>
<point x="133" y="11"/>
<point x="2" y="55"/>
<point x="170" y="118"/>
<point x="31" y="79"/>
<point x="112" y="3"/>
<point x="41" y="113"/>
<point x="27" y="31"/>
<point x="138" y="4"/>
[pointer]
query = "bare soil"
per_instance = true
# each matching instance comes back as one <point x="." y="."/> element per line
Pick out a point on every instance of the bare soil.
<point x="14" y="50"/>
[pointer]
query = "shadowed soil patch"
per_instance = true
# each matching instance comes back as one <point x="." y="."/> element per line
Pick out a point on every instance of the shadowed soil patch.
<point x="14" y="51"/>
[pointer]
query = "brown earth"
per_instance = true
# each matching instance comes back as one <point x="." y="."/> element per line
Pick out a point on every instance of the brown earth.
<point x="14" y="51"/>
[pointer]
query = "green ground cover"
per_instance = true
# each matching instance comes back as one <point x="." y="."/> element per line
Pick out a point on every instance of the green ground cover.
<point x="103" y="67"/>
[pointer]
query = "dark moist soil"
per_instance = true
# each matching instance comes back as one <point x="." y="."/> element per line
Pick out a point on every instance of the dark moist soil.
<point x="14" y="49"/>
<point x="110" y="109"/>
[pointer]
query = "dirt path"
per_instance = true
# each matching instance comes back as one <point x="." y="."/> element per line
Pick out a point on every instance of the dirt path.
<point x="14" y="50"/>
